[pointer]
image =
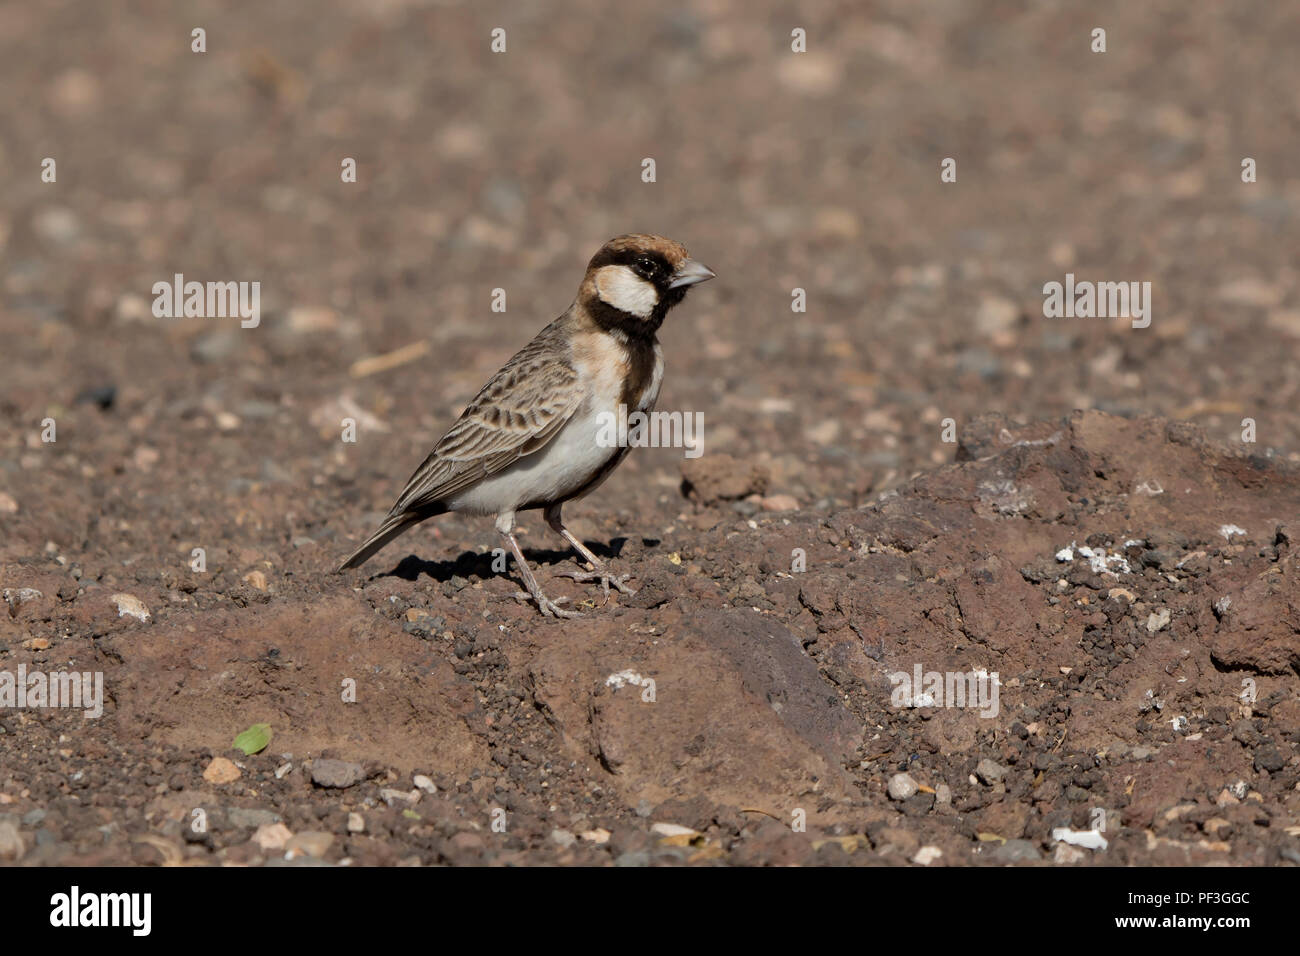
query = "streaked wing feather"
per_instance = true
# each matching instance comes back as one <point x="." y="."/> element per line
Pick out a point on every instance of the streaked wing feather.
<point x="516" y="413"/>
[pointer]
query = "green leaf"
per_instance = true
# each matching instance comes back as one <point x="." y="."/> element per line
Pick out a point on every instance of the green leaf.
<point x="254" y="739"/>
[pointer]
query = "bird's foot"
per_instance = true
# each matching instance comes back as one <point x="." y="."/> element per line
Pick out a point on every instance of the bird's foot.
<point x="548" y="607"/>
<point x="604" y="577"/>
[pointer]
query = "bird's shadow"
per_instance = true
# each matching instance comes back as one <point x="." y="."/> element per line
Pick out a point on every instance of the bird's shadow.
<point x="479" y="564"/>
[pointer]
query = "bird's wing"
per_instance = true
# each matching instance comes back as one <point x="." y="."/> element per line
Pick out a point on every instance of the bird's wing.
<point x="516" y="413"/>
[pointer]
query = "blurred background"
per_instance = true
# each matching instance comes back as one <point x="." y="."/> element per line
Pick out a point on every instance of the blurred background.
<point x="476" y="170"/>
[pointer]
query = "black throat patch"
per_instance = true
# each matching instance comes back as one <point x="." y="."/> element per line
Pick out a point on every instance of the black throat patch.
<point x="635" y="328"/>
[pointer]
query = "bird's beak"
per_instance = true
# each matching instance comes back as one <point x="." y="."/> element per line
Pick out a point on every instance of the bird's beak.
<point x="689" y="273"/>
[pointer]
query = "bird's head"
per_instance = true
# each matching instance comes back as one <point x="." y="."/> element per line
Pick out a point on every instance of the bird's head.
<point x="633" y="281"/>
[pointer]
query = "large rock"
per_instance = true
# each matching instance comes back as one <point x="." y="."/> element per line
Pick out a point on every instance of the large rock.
<point x="737" y="712"/>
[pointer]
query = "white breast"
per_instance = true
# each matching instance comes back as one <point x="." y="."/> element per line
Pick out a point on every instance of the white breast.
<point x="569" y="460"/>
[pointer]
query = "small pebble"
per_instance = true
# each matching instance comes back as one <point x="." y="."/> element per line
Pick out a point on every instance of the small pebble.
<point x="901" y="786"/>
<point x="221" y="770"/>
<point x="927" y="855"/>
<point x="12" y="847"/>
<point x="271" y="837"/>
<point x="128" y="605"/>
<point x="314" y="843"/>
<point x="1158" y="620"/>
<point x="336" y="774"/>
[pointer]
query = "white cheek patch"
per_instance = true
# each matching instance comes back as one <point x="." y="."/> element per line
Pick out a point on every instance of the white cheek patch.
<point x="622" y="288"/>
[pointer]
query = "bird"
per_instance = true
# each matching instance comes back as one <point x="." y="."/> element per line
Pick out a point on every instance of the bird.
<point x="532" y="437"/>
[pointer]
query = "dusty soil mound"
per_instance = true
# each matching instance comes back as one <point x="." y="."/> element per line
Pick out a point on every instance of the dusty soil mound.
<point x="1131" y="589"/>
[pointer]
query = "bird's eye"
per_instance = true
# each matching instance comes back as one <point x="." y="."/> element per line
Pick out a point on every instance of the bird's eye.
<point x="645" y="266"/>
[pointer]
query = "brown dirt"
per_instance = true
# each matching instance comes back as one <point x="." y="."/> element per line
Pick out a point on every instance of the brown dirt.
<point x="1157" y="691"/>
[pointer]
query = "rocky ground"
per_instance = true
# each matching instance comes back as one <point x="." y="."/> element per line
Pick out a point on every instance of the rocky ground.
<point x="1106" y="531"/>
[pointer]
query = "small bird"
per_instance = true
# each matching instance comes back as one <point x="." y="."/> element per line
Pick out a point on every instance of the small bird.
<point x="530" y="438"/>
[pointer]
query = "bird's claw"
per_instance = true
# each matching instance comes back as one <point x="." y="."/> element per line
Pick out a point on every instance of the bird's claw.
<point x="544" y="604"/>
<point x="604" y="577"/>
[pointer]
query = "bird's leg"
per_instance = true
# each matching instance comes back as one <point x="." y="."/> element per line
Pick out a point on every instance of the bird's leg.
<point x="544" y="604"/>
<point x="600" y="572"/>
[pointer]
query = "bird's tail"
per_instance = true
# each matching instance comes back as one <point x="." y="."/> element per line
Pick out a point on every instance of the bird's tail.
<point x="393" y="526"/>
